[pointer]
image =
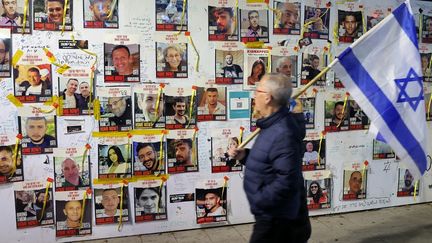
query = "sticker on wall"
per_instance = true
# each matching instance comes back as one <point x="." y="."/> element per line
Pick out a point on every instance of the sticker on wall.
<point x="285" y="60"/>
<point x="354" y="182"/>
<point x="314" y="155"/>
<point x="239" y="107"/>
<point x="350" y="21"/>
<point x="76" y="92"/>
<point x="316" y="20"/>
<point x="313" y="61"/>
<point x="406" y="184"/>
<point x="171" y="56"/>
<point x="5" y="52"/>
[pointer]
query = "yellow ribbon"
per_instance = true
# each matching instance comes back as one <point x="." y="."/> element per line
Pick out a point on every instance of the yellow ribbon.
<point x="15" y="155"/>
<point x="336" y="33"/>
<point x="83" y="209"/>
<point x="319" y="148"/>
<point x="26" y="4"/>
<point x="191" y="106"/>
<point x="415" y="189"/>
<point x="196" y="52"/>
<point x="235" y="17"/>
<point x="269" y="60"/>
<point x="96" y="109"/>
<point x="160" y="91"/>
<point x="161" y="152"/>
<point x="83" y="160"/>
<point x="160" y="193"/>
<point x="420" y="26"/>
<point x="61" y="68"/>
<point x="311" y="22"/>
<point x="14" y="100"/>
<point x="240" y="138"/>
<point x="223" y="187"/>
<point x="277" y="13"/>
<point x="66" y="2"/>
<point x="48" y="185"/>
<point x="329" y="53"/>
<point x="363" y="21"/>
<point x="344" y="107"/>
<point x="194" y="153"/>
<point x="182" y="17"/>
<point x="429" y="108"/>
<point x="16" y="57"/>
<point x="364" y="169"/>
<point x="113" y="4"/>
<point x="120" y="223"/>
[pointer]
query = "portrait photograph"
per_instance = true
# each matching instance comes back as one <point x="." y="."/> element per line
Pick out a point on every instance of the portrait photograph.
<point x="178" y="113"/>
<point x="288" y="23"/>
<point x="170" y="16"/>
<point x="211" y="205"/>
<point x="148" y="111"/>
<point x="33" y="83"/>
<point x="77" y="95"/>
<point x="12" y="16"/>
<point x="171" y="60"/>
<point x="382" y="150"/>
<point x="116" y="109"/>
<point x="182" y="152"/>
<point x="354" y="186"/>
<point x="312" y="64"/>
<point x="358" y="120"/>
<point x="100" y="14"/>
<point x="256" y="64"/>
<point x="426" y="66"/>
<point x="11" y="163"/>
<point x="212" y="104"/>
<point x="350" y="25"/>
<point x="426" y="36"/>
<point x="318" y="20"/>
<point x="114" y="161"/>
<point x="150" y="202"/>
<point x="428" y="104"/>
<point x="254" y="25"/>
<point x="110" y="203"/>
<point x="49" y="15"/>
<point x="39" y="134"/>
<point x="318" y="193"/>
<point x="308" y="104"/>
<point x="222" y="25"/>
<point x="335" y="117"/>
<point x="406" y="184"/>
<point x="72" y="216"/>
<point x="122" y="63"/>
<point x="71" y="169"/>
<point x="149" y="156"/>
<point x="5" y="53"/>
<point x="314" y="157"/>
<point x="286" y="65"/>
<point x="229" y="66"/>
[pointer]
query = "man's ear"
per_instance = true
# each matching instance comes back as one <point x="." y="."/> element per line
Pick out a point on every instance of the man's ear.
<point x="64" y="211"/>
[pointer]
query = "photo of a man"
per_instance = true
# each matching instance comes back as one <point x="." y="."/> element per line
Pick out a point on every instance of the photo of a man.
<point x="33" y="83"/>
<point x="350" y="25"/>
<point x="10" y="171"/>
<point x="5" y="53"/>
<point x="119" y="112"/>
<point x="406" y="184"/>
<point x="183" y="152"/>
<point x="222" y="24"/>
<point x="336" y="117"/>
<point x="177" y="112"/>
<point x="210" y="204"/>
<point x="354" y="185"/>
<point x="71" y="173"/>
<point x="150" y="203"/>
<point x="108" y="207"/>
<point x="231" y="70"/>
<point x="311" y="67"/>
<point x="49" y="15"/>
<point x="100" y="14"/>
<point x="211" y="102"/>
<point x="121" y="63"/>
<point x="12" y="16"/>
<point x="72" y="217"/>
<point x="147" y="159"/>
<point x="229" y="66"/>
<point x="254" y="25"/>
<point x="286" y="65"/>
<point x="36" y="135"/>
<point x="289" y="18"/>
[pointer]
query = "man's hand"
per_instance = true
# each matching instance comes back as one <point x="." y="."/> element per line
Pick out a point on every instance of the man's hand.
<point x="236" y="153"/>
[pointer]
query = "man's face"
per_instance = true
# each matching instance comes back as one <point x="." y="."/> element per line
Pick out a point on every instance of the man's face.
<point x="289" y="16"/>
<point x="70" y="170"/>
<point x="183" y="153"/>
<point x="429" y="25"/>
<point x="180" y="108"/>
<point x="84" y="89"/>
<point x="6" y="162"/>
<point x="211" y="201"/>
<point x="34" y="78"/>
<point x="122" y="61"/>
<point x="317" y="12"/>
<point x="149" y="200"/>
<point x="309" y="147"/>
<point x="10" y="7"/>
<point x="350" y="25"/>
<point x="355" y="182"/>
<point x="72" y="86"/>
<point x="212" y="98"/>
<point x="147" y="156"/>
<point x="118" y="105"/>
<point x="150" y="103"/>
<point x="253" y="19"/>
<point x="41" y="198"/>
<point x="55" y="12"/>
<point x="229" y="59"/>
<point x="408" y="179"/>
<point x="36" y="129"/>
<point x="100" y="9"/>
<point x="224" y="21"/>
<point x="339" y="112"/>
<point x="72" y="210"/>
<point x="2" y="52"/>
<point x="285" y="68"/>
<point x="26" y="197"/>
<point x="315" y="63"/>
<point x="110" y="200"/>
<point x="260" y="95"/>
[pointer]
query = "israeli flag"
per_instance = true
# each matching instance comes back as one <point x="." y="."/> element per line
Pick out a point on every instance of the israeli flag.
<point x="382" y="72"/>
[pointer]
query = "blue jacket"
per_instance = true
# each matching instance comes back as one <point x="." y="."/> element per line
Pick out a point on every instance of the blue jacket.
<point x="273" y="180"/>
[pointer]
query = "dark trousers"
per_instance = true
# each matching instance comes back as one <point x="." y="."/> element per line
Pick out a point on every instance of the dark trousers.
<point x="280" y="230"/>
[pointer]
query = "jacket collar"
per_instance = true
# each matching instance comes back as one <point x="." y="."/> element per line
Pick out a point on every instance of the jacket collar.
<point x="273" y="118"/>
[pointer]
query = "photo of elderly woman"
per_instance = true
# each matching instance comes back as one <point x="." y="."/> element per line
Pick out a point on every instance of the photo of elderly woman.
<point x="171" y="60"/>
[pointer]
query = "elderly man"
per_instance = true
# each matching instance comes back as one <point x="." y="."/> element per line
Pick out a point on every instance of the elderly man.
<point x="122" y="110"/>
<point x="273" y="179"/>
<point x="70" y="171"/>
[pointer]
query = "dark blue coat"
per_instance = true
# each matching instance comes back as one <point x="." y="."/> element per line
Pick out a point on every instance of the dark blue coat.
<point x="273" y="180"/>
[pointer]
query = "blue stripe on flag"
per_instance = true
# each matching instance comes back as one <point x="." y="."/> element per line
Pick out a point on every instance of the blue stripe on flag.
<point x="402" y="14"/>
<point x="384" y="107"/>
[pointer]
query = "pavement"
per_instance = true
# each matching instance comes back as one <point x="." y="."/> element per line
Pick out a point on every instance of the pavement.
<point x="404" y="224"/>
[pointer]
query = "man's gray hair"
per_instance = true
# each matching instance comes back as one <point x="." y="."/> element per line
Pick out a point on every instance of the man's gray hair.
<point x="279" y="86"/>
<point x="281" y="61"/>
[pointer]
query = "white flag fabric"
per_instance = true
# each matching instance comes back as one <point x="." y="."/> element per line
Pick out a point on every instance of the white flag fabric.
<point x="382" y="72"/>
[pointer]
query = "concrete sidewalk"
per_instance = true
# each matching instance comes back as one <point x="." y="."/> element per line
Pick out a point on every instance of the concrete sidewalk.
<point x="404" y="224"/>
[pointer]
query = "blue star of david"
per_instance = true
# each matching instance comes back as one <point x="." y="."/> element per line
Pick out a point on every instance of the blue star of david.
<point x="402" y="83"/>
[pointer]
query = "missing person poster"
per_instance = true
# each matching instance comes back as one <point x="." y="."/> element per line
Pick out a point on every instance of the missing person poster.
<point x="111" y="201"/>
<point x="76" y="92"/>
<point x="73" y="213"/>
<point x="222" y="20"/>
<point x="288" y="22"/>
<point x="180" y="108"/>
<point x="149" y="154"/>
<point x="354" y="182"/>
<point x="229" y="63"/>
<point x="336" y="112"/>
<point x="254" y="22"/>
<point x="100" y="14"/>
<point x="350" y="22"/>
<point x="284" y="60"/>
<point x="150" y="200"/>
<point x="308" y="103"/>
<point x="314" y="155"/>
<point x="406" y="185"/>
<point x="5" y="52"/>
<point x="426" y="55"/>
<point x="71" y="169"/>
<point x="12" y="16"/>
<point x="116" y="109"/>
<point x="358" y="120"/>
<point x="382" y="151"/>
<point x="11" y="164"/>
<point x="33" y="204"/>
<point x="256" y="65"/>
<point x="211" y="103"/>
<point x="148" y="110"/>
<point x="314" y="59"/>
<point x="318" y="189"/>
<point x="222" y="140"/>
<point x="38" y="129"/>
<point x="171" y="56"/>
<point x="239" y="105"/>
<point x="211" y="201"/>
<point x="317" y="19"/>
<point x="182" y="151"/>
<point x="171" y="15"/>
<point x="50" y="15"/>
<point x="114" y="157"/>
<point x="121" y="58"/>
